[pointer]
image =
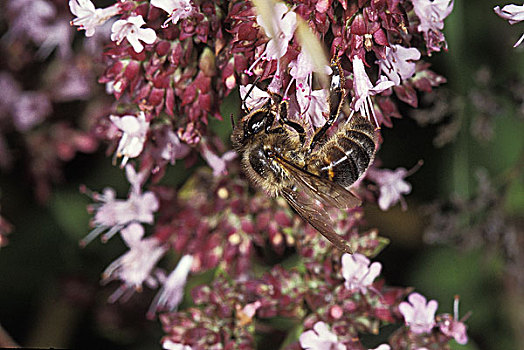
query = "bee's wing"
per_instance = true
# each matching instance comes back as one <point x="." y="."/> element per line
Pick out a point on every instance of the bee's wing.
<point x="326" y="191"/>
<point x="310" y="211"/>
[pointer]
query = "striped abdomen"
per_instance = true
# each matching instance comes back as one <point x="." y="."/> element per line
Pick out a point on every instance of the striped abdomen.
<point x="347" y="155"/>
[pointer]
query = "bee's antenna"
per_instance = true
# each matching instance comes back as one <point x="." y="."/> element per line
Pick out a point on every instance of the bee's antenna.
<point x="249" y="92"/>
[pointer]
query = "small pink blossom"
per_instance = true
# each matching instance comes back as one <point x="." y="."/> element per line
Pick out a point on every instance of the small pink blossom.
<point x="383" y="347"/>
<point x="392" y="186"/>
<point x="171" y="293"/>
<point x="134" y="131"/>
<point x="135" y="267"/>
<point x="177" y="9"/>
<point x="452" y="326"/>
<point x="302" y="67"/>
<point x="218" y="164"/>
<point x="358" y="272"/>
<point x="419" y="316"/>
<point x="250" y="309"/>
<point x="364" y="89"/>
<point x="256" y="99"/>
<point x="513" y="14"/>
<point x="398" y="63"/>
<point x="169" y="345"/>
<point x="432" y="13"/>
<point x="171" y="148"/>
<point x="313" y="103"/>
<point x="280" y="30"/>
<point x="112" y="215"/>
<point x="88" y="17"/>
<point x="320" y="338"/>
<point x="130" y="29"/>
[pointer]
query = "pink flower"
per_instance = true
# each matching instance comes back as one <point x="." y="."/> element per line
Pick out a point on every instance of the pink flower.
<point x="398" y="63"/>
<point x="177" y="9"/>
<point x="88" y="17"/>
<point x="250" y="309"/>
<point x="129" y="29"/>
<point x="313" y="103"/>
<point x="169" y="345"/>
<point x="302" y="67"/>
<point x="134" y="131"/>
<point x="358" y="273"/>
<point x="171" y="293"/>
<point x="383" y="347"/>
<point x="171" y="148"/>
<point x="218" y="164"/>
<point x="135" y="267"/>
<point x="279" y="29"/>
<point x="419" y="316"/>
<point x="256" y="99"/>
<point x="514" y="14"/>
<point x="392" y="186"/>
<point x="364" y="89"/>
<point x="452" y="327"/>
<point x="432" y="14"/>
<point x="115" y="214"/>
<point x="320" y="338"/>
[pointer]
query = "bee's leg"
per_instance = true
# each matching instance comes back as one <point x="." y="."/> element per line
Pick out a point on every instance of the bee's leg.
<point x="337" y="95"/>
<point x="284" y="120"/>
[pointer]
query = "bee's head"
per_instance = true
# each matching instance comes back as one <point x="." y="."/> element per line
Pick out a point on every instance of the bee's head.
<point x="252" y="124"/>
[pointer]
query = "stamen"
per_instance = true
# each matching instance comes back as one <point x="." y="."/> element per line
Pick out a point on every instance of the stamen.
<point x="91" y="236"/>
<point x="111" y="233"/>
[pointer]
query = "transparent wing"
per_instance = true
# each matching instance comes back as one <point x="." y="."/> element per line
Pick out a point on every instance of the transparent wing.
<point x="325" y="191"/>
<point x="310" y="211"/>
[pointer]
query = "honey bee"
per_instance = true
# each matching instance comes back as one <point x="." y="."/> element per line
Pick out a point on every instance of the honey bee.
<point x="276" y="158"/>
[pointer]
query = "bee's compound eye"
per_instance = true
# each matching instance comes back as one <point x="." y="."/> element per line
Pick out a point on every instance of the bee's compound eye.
<point x="256" y="122"/>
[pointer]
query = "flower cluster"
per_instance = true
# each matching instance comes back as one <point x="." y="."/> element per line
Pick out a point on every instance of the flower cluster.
<point x="170" y="65"/>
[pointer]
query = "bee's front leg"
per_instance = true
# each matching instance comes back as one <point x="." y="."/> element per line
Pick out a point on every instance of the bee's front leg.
<point x="282" y="113"/>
